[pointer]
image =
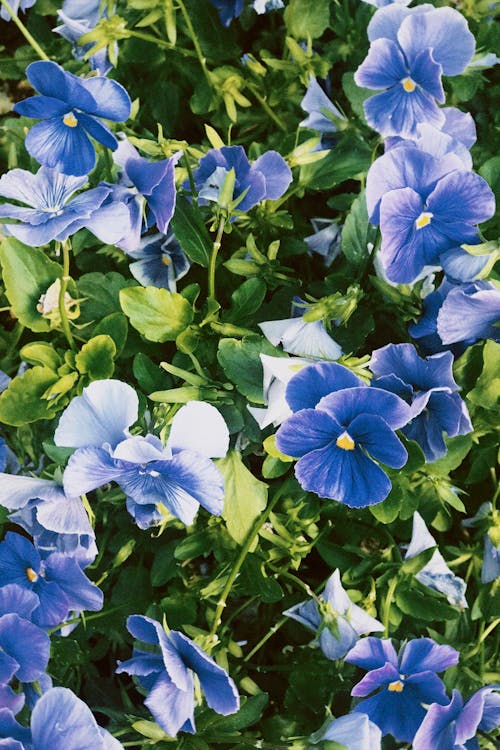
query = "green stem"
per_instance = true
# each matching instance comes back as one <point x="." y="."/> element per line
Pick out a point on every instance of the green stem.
<point x="62" y="293"/>
<point x="274" y="629"/>
<point x="213" y="259"/>
<point x="238" y="563"/>
<point x="24" y="31"/>
<point x="159" y="42"/>
<point x="267" y="109"/>
<point x="194" y="39"/>
<point x="387" y="604"/>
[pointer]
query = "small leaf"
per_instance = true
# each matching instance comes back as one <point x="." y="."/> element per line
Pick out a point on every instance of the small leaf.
<point x="415" y="564"/>
<point x="116" y="326"/>
<point x="245" y="497"/>
<point x="158" y="314"/>
<point x="96" y="358"/>
<point x="241" y="363"/>
<point x="357" y="232"/>
<point x="41" y="353"/>
<point x="191" y="232"/>
<point x="23" y="401"/>
<point x="307" y="18"/>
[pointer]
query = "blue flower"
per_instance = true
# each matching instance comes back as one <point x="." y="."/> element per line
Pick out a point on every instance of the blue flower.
<point x="322" y="113"/>
<point x="266" y="179"/>
<point x="16" y="6"/>
<point x="53" y="215"/>
<point x="16" y="632"/>
<point x="458" y="316"/>
<point x="299" y="337"/>
<point x="430" y="389"/>
<point x="60" y="721"/>
<point x="56" y="522"/>
<point x="228" y="9"/>
<point x="454" y="726"/>
<point x="399" y="687"/>
<point x="160" y="261"/>
<point x="336" y="620"/>
<point x="278" y="372"/>
<point x="410" y="50"/>
<point x="157" y="480"/>
<point x="58" y="581"/>
<point x="352" y="732"/>
<point x="490" y="569"/>
<point x="72" y="29"/>
<point x="425" y="206"/>
<point x="266" y="6"/>
<point x="340" y="429"/>
<point x="435" y="574"/>
<point x="71" y="110"/>
<point x="168" y="676"/>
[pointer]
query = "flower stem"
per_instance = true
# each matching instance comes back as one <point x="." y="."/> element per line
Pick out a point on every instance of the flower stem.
<point x="62" y="293"/>
<point x="387" y="604"/>
<point x="238" y="563"/>
<point x="213" y="259"/>
<point x="194" y="39"/>
<point x="267" y="109"/>
<point x="24" y="31"/>
<point x="159" y="42"/>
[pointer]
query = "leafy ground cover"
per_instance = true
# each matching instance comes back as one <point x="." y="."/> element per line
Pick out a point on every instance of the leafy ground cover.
<point x="249" y="385"/>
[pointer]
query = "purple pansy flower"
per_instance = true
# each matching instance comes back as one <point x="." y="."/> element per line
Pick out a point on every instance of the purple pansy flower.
<point x="336" y="620"/>
<point x="266" y="179"/>
<point x="228" y="9"/>
<point x="71" y="110"/>
<point x="435" y="574"/>
<point x="16" y="5"/>
<point x="399" y="686"/>
<point x="340" y="429"/>
<point x="168" y="676"/>
<point x="454" y="726"/>
<point x="458" y="315"/>
<point x="410" y="49"/>
<point x="58" y="581"/>
<point x="429" y="387"/>
<point x="425" y="206"/>
<point x="60" y="721"/>
<point x="52" y="213"/>
<point x="177" y="478"/>
<point x="160" y="261"/>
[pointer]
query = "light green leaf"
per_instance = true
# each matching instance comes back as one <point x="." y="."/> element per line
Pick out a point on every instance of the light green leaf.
<point x="191" y="232"/>
<point x="307" y="18"/>
<point x="96" y="358"/>
<point x="27" y="274"/>
<point x="41" y="353"/>
<point x="158" y="314"/>
<point x="22" y="402"/>
<point x="241" y="363"/>
<point x="245" y="497"/>
<point x="357" y="232"/>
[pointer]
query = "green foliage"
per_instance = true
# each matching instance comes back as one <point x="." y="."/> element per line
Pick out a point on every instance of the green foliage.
<point x="158" y="314"/>
<point x="245" y="497"/>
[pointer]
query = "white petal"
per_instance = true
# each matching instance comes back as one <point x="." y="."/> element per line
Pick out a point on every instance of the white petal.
<point x="199" y="427"/>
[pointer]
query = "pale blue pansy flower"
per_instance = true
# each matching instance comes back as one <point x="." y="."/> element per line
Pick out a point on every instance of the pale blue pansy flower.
<point x="352" y="732"/>
<point x="435" y="574"/>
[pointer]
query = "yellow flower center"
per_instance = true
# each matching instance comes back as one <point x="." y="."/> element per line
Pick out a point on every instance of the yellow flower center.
<point x="166" y="260"/>
<point x="409" y="85"/>
<point x="396" y="687"/>
<point x="31" y="575"/>
<point x="70" y="120"/>
<point x="345" y="442"/>
<point x="423" y="220"/>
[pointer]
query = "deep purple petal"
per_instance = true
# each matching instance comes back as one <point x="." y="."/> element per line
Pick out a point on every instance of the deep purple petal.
<point x="372" y="653"/>
<point x="375" y="679"/>
<point x="423" y="654"/>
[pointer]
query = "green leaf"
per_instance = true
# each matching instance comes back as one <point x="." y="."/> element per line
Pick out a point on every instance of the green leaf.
<point x="245" y="496"/>
<point x="191" y="232"/>
<point x="96" y="358"/>
<point x="41" y="353"/>
<point x="164" y="564"/>
<point x="422" y="603"/>
<point x="487" y="390"/>
<point x="149" y="375"/>
<point x="347" y="161"/>
<point x="250" y="712"/>
<point x="158" y="314"/>
<point x="356" y="94"/>
<point x="22" y="402"/>
<point x="241" y="363"/>
<point x="247" y="299"/>
<point x="457" y="449"/>
<point x="27" y="274"/>
<point x="388" y="510"/>
<point x="101" y="295"/>
<point x="307" y="18"/>
<point x="415" y="564"/>
<point x="116" y="326"/>
<point x="357" y="232"/>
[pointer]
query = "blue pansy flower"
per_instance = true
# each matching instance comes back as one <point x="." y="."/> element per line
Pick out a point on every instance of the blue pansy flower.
<point x="168" y="676"/>
<point x="278" y="372"/>
<point x="435" y="574"/>
<point x="53" y="214"/>
<point x="429" y="387"/>
<point x="56" y="522"/>
<point x="340" y="429"/>
<point x="16" y="5"/>
<point x="71" y="110"/>
<point x="454" y="726"/>
<point x="266" y="179"/>
<point x="325" y="241"/>
<point x="490" y="569"/>
<point x="60" y="721"/>
<point x="352" y="732"/>
<point x="177" y="478"/>
<point x="336" y="620"/>
<point x="321" y="112"/>
<point x="78" y="18"/>
<point x="410" y="50"/>
<point x="425" y="206"/>
<point x="160" y="261"/>
<point x="266" y="6"/>
<point x="58" y="581"/>
<point x="458" y="315"/>
<point x="228" y="9"/>
<point x="16" y="632"/>
<point x="396" y="688"/>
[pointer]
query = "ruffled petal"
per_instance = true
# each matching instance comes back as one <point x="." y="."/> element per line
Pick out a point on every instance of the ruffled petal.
<point x="306" y="389"/>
